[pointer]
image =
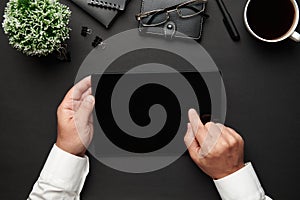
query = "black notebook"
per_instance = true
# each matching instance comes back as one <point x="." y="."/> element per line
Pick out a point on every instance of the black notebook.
<point x="104" y="15"/>
<point x="114" y="4"/>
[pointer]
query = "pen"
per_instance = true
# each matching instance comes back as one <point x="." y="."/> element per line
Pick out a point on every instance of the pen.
<point x="232" y="30"/>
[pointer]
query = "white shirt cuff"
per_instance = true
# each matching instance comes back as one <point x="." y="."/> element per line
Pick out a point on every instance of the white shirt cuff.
<point x="65" y="170"/>
<point x="242" y="184"/>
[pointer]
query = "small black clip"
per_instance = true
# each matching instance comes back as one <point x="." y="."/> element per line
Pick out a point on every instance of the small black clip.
<point x="97" y="41"/>
<point x="85" y="31"/>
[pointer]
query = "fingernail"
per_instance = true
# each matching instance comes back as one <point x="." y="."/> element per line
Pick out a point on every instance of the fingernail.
<point x="90" y="99"/>
<point x="192" y="111"/>
<point x="193" y="115"/>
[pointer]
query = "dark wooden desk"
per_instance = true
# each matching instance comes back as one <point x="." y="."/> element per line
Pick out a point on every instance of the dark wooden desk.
<point x="262" y="84"/>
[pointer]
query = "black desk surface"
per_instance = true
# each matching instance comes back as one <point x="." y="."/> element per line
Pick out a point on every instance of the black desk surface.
<point x="262" y="83"/>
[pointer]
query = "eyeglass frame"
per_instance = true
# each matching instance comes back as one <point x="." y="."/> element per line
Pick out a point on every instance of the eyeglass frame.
<point x="167" y="11"/>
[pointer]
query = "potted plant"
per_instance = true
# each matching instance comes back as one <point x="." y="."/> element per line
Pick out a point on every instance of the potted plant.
<point x="36" y="27"/>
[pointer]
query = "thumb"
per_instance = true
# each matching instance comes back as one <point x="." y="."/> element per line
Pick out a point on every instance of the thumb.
<point x="85" y="109"/>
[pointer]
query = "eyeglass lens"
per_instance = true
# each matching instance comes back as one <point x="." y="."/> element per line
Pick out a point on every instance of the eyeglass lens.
<point x="155" y="18"/>
<point x="191" y="9"/>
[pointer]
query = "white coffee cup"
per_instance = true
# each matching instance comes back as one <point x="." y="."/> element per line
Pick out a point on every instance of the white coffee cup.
<point x="290" y="34"/>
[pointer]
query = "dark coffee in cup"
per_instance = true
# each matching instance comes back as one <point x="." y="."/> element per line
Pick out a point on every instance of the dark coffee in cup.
<point x="271" y="19"/>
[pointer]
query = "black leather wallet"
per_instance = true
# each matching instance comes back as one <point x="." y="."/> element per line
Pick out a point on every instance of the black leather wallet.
<point x="182" y="28"/>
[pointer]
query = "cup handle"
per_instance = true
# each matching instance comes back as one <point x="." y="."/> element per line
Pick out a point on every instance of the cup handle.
<point x="295" y="36"/>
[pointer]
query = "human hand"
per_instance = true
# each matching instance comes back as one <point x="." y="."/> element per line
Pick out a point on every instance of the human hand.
<point x="75" y="122"/>
<point x="216" y="149"/>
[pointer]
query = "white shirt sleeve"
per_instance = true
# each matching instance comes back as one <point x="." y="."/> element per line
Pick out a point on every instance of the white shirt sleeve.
<point x="242" y="184"/>
<point x="62" y="177"/>
<point x="64" y="174"/>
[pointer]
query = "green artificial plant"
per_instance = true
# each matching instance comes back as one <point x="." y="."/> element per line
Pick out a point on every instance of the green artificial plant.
<point x="36" y="27"/>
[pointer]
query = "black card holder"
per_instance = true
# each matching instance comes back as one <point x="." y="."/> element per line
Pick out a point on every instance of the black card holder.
<point x="190" y="28"/>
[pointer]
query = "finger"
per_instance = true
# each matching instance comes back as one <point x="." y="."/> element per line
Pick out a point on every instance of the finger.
<point x="189" y="137"/>
<point x="232" y="131"/>
<point x="195" y="120"/>
<point x="229" y="134"/>
<point x="227" y="131"/>
<point x="77" y="90"/>
<point x="86" y="93"/>
<point x="197" y="126"/>
<point x="191" y="143"/>
<point x="81" y="87"/>
<point x="85" y="110"/>
<point x="211" y="139"/>
<point x="221" y="126"/>
<point x="232" y="139"/>
<point x="77" y="103"/>
<point x="91" y="119"/>
<point x="236" y="135"/>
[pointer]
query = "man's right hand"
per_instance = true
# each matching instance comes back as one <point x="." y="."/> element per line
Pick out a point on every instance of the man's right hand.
<point x="216" y="149"/>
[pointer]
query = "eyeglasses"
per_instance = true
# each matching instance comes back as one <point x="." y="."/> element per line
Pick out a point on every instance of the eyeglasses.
<point x="160" y="16"/>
